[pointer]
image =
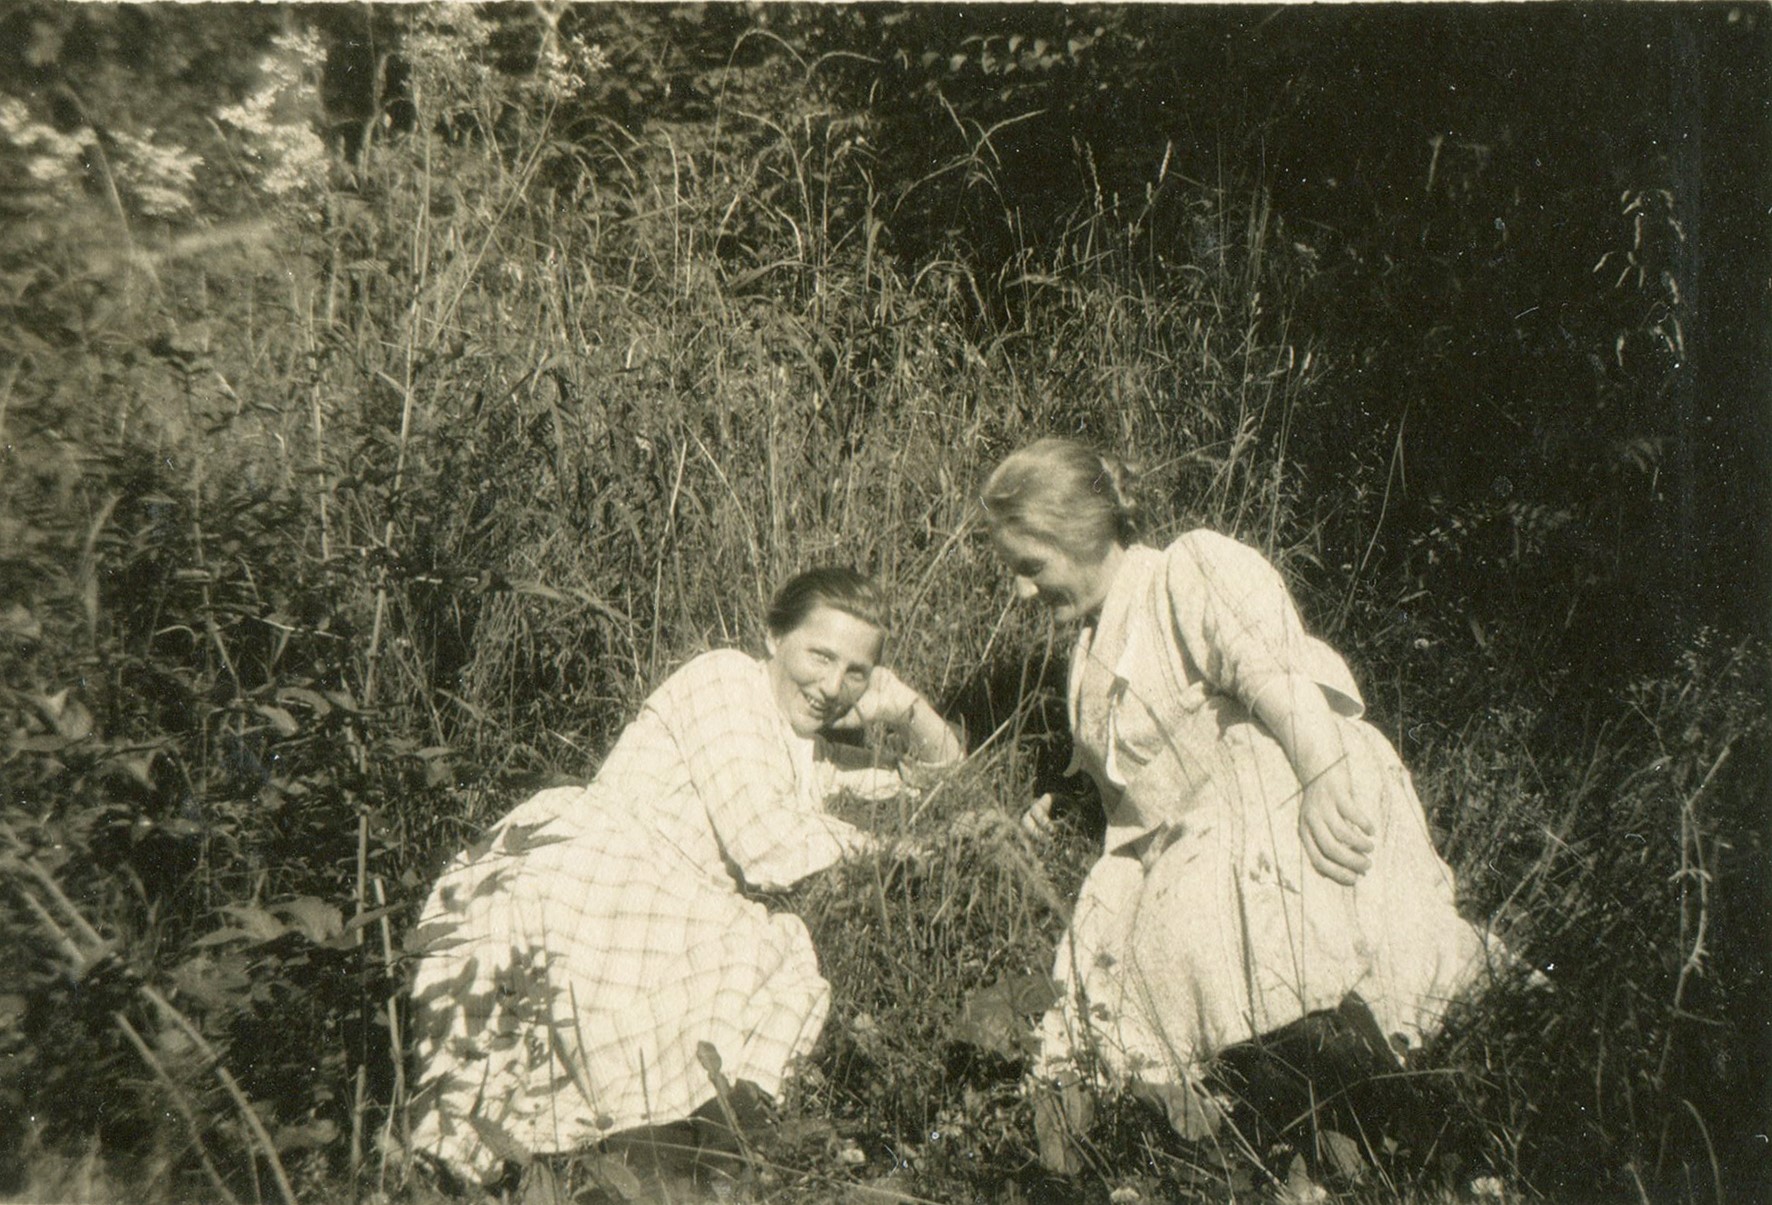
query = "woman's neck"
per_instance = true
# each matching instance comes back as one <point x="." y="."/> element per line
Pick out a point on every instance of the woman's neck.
<point x="1103" y="579"/>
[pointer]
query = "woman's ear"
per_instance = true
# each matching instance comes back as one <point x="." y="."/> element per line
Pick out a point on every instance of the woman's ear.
<point x="769" y="643"/>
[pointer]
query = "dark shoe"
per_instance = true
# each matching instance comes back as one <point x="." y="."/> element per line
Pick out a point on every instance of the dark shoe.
<point x="661" y="1152"/>
<point x="729" y="1131"/>
<point x="745" y="1116"/>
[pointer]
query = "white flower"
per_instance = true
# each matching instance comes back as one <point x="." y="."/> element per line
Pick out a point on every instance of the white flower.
<point x="52" y="159"/>
<point x="275" y="120"/>
<point x="445" y="49"/>
<point x="1488" y="1187"/>
<point x="159" y="177"/>
<point x="561" y="72"/>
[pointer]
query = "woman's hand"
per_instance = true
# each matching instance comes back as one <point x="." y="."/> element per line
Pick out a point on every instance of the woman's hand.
<point x="1335" y="830"/>
<point x="890" y="701"/>
<point x="887" y="700"/>
<point x="1036" y="822"/>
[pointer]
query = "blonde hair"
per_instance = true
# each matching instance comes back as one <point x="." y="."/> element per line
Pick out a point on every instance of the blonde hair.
<point x="1060" y="490"/>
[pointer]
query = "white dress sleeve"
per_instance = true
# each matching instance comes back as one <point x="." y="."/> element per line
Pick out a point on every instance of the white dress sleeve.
<point x="755" y="781"/>
<point x="1237" y="622"/>
<point x="855" y="769"/>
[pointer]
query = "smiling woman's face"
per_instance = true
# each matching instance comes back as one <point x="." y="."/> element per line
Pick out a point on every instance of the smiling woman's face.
<point x="820" y="668"/>
<point x="1046" y="573"/>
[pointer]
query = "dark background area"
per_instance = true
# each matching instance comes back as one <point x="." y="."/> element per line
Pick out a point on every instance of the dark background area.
<point x="1459" y="171"/>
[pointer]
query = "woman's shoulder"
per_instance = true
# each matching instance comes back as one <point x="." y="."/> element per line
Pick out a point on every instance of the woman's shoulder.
<point x="721" y="661"/>
<point x="715" y="669"/>
<point x="1205" y="551"/>
<point x="1207" y="542"/>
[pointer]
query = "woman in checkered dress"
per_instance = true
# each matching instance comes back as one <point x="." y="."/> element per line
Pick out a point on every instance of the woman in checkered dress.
<point x="585" y="958"/>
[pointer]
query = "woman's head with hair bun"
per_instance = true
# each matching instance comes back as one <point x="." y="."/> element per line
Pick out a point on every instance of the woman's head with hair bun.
<point x="1063" y="491"/>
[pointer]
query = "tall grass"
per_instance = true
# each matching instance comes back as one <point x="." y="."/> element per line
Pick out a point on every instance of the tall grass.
<point x="331" y="535"/>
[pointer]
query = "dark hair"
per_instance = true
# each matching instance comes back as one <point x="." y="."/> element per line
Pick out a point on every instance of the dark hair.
<point x="834" y="586"/>
<point x="1061" y="490"/>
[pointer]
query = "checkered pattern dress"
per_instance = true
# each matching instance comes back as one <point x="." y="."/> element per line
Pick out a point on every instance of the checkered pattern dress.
<point x="577" y="958"/>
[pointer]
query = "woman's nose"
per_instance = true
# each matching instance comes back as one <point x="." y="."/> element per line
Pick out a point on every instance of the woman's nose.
<point x="1025" y="589"/>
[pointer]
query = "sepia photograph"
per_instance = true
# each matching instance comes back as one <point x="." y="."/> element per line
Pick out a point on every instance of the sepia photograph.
<point x="892" y="603"/>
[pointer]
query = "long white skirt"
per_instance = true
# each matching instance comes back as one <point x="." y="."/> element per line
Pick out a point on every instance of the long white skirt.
<point x="1226" y="932"/>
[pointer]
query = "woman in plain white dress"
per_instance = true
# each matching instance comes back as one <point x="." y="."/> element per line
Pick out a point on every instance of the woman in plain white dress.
<point x="1266" y="857"/>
